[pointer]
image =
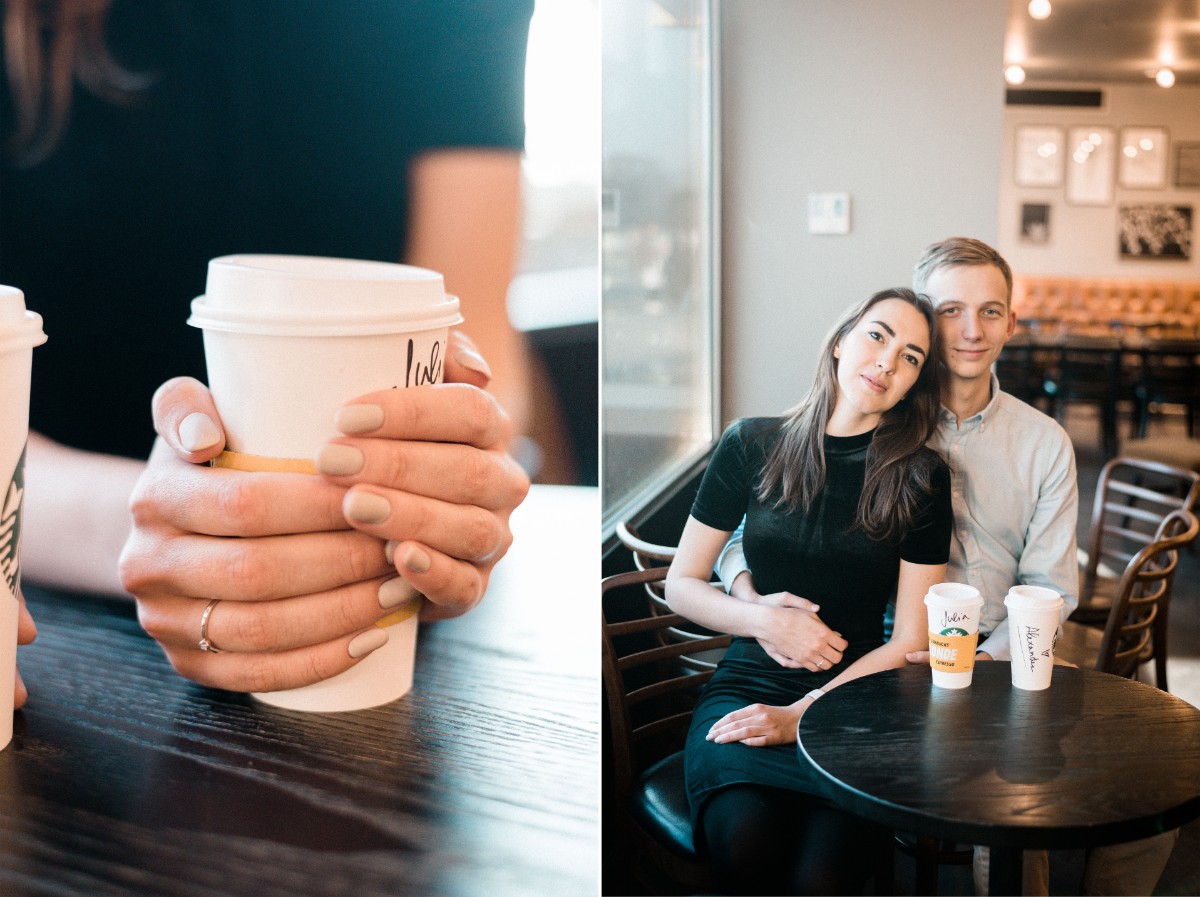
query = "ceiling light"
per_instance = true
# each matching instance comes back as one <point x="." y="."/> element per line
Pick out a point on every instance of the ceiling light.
<point x="1165" y="77"/>
<point x="1014" y="74"/>
<point x="1039" y="9"/>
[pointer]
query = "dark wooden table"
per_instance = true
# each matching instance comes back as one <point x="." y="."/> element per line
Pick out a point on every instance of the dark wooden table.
<point x="124" y="779"/>
<point x="1095" y="759"/>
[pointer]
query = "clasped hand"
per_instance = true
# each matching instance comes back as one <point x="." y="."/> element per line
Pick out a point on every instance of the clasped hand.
<point x="414" y="500"/>
<point x="799" y="639"/>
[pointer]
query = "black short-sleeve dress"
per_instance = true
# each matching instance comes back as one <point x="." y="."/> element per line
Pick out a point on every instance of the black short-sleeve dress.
<point x="817" y="554"/>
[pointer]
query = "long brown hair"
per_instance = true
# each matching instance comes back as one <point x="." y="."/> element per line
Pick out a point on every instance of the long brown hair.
<point x="48" y="46"/>
<point x="898" y="472"/>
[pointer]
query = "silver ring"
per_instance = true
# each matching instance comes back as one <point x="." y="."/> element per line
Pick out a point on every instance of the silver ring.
<point x="205" y="644"/>
<point x="820" y="663"/>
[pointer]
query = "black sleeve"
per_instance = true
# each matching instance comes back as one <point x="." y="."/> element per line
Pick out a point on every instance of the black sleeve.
<point x="725" y="489"/>
<point x="929" y="541"/>
<point x="471" y="81"/>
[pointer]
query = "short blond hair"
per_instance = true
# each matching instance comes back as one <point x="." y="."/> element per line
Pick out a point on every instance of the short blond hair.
<point x="956" y="251"/>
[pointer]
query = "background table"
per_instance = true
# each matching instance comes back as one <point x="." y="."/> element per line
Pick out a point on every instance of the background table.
<point x="123" y="778"/>
<point x="1095" y="759"/>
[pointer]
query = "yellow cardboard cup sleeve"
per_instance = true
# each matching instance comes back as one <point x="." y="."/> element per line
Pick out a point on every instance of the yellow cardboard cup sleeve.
<point x="261" y="464"/>
<point x="952" y="653"/>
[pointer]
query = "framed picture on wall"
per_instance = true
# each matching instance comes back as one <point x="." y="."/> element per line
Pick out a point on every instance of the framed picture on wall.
<point x="1090" y="159"/>
<point x="1155" y="231"/>
<point x="1035" y="222"/>
<point x="1039" y="154"/>
<point x="1143" y="160"/>
<point x="1187" y="165"/>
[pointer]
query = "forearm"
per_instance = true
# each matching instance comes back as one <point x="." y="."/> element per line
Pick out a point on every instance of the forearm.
<point x="888" y="656"/>
<point x="75" y="516"/>
<point x="710" y="607"/>
<point x="465" y="223"/>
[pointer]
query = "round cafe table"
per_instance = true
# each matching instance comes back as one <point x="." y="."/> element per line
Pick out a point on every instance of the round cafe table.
<point x="1095" y="759"/>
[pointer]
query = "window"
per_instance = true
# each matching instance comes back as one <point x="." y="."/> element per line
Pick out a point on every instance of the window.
<point x="658" y="213"/>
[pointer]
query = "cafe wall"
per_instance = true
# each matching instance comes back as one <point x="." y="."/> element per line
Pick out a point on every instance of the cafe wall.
<point x="1082" y="240"/>
<point x="898" y="106"/>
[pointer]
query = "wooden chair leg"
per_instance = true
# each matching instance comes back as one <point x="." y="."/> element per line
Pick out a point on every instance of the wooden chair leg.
<point x="927" y="865"/>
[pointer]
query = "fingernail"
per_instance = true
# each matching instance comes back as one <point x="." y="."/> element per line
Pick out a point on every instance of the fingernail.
<point x="198" y="432"/>
<point x="473" y="362"/>
<point x="389" y="551"/>
<point x="366" y="507"/>
<point x="352" y="419"/>
<point x="337" y="460"/>
<point x="395" y="592"/>
<point x="366" y="642"/>
<point x="416" y="560"/>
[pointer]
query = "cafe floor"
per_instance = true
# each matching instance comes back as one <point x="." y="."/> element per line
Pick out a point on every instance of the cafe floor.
<point x="1182" y="874"/>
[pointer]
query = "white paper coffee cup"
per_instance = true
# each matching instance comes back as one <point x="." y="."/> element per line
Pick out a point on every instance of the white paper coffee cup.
<point x="1034" y="627"/>
<point x="954" y="609"/>
<point x="290" y="339"/>
<point x="20" y="331"/>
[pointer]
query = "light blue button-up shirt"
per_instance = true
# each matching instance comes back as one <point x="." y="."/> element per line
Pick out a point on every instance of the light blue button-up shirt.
<point x="1016" y="504"/>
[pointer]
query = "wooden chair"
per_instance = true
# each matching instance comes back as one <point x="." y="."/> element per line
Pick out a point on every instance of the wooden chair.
<point x="1136" y="630"/>
<point x="1133" y="497"/>
<point x="648" y="555"/>
<point x="649" y="701"/>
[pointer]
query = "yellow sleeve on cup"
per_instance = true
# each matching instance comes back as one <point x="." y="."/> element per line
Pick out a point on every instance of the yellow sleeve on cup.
<point x="261" y="464"/>
<point x="952" y="653"/>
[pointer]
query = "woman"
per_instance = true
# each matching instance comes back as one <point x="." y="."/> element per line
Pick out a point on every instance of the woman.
<point x="844" y="507"/>
<point x="142" y="139"/>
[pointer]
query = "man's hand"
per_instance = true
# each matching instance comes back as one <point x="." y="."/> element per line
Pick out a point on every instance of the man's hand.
<point x="922" y="657"/>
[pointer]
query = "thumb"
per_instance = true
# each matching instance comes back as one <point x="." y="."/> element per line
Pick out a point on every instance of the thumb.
<point x="790" y="600"/>
<point x="917" y="657"/>
<point x="464" y="363"/>
<point x="186" y="418"/>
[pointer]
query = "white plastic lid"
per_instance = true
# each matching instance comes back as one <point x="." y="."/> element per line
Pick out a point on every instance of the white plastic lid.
<point x="291" y="295"/>
<point x="1033" y="598"/>
<point x="19" y="328"/>
<point x="953" y="594"/>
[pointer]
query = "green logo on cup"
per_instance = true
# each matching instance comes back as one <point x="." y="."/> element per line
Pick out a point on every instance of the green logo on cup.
<point x="10" y="528"/>
<point x="954" y="630"/>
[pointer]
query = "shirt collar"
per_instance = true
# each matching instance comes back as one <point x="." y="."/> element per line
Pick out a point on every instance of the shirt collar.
<point x="984" y="416"/>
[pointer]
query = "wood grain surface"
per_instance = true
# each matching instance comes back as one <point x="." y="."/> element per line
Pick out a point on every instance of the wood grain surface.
<point x="1094" y="759"/>
<point x="123" y="778"/>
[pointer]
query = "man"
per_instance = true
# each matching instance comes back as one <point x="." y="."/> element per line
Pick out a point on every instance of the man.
<point x="1015" y="497"/>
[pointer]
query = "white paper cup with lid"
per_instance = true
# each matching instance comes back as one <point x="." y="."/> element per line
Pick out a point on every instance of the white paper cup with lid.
<point x="287" y="341"/>
<point x="1034" y="627"/>
<point x="20" y="332"/>
<point x="953" y="609"/>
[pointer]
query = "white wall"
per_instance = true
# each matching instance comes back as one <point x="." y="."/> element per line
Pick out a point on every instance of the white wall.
<point x="898" y="103"/>
<point x="1083" y="239"/>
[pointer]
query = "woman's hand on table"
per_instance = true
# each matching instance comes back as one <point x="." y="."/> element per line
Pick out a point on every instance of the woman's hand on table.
<point x="758" y="725"/>
<point x="319" y="559"/>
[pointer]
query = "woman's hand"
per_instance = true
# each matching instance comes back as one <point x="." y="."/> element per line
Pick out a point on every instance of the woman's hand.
<point x="758" y="725"/>
<point x="799" y="640"/>
<point x="317" y="560"/>
<point x="802" y="641"/>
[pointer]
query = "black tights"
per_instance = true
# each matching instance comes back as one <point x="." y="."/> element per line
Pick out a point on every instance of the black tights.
<point x="766" y="840"/>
